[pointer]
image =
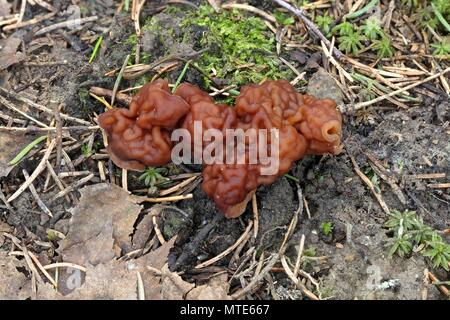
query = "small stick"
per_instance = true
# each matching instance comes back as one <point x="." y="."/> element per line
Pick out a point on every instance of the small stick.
<point x="157" y="272"/>
<point x="299" y="255"/>
<point x="22" y="10"/>
<point x="39" y="265"/>
<point x="441" y="288"/>
<point x="73" y="174"/>
<point x="123" y="98"/>
<point x="273" y="260"/>
<point x="238" y="251"/>
<point x="165" y="199"/>
<point x="370" y="185"/>
<point x="8" y="206"/>
<point x="66" y="24"/>
<point x="43" y="108"/>
<point x="328" y="54"/>
<point x="48" y="129"/>
<point x="125" y="179"/>
<point x="308" y="213"/>
<point x="439" y="185"/>
<point x="28" y="260"/>
<point x="30" y="22"/>
<point x="427" y="176"/>
<point x="35" y="173"/>
<point x="393" y="93"/>
<point x="227" y="251"/>
<point x="6" y="20"/>
<point x="193" y="246"/>
<point x="249" y="8"/>
<point x="311" y="26"/>
<point x="425" y="283"/>
<point x="276" y="256"/>
<point x="40" y="203"/>
<point x="140" y="286"/>
<point x="9" y="105"/>
<point x="64" y="265"/>
<point x="58" y="125"/>
<point x="56" y="179"/>
<point x="71" y="188"/>
<point x="381" y="171"/>
<point x="178" y="186"/>
<point x="68" y="161"/>
<point x="12" y="119"/>
<point x="45" y="5"/>
<point x="296" y="281"/>
<point x="158" y="231"/>
<point x="255" y="216"/>
<point x="215" y="6"/>
<point x="260" y="264"/>
<point x="101" y="170"/>
<point x="137" y="7"/>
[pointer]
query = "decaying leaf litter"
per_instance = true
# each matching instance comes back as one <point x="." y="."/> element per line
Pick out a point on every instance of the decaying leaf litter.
<point x="74" y="226"/>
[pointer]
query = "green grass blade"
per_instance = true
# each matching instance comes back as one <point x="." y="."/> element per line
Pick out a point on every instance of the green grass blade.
<point x="97" y="46"/>
<point x="181" y="76"/>
<point x="362" y="11"/>
<point x="27" y="149"/>
<point x="291" y="177"/>
<point x="440" y="17"/>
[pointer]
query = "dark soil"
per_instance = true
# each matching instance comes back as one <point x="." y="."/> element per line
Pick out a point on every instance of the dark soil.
<point x="409" y="142"/>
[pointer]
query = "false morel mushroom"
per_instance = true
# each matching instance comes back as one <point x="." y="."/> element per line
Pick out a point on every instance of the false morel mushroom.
<point x="141" y="135"/>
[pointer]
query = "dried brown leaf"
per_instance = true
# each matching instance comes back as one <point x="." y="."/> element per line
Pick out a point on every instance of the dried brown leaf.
<point x="216" y="289"/>
<point x="142" y="233"/>
<point x="8" y="52"/>
<point x="103" y="219"/>
<point x="14" y="284"/>
<point x="155" y="259"/>
<point x="173" y="287"/>
<point x="110" y="281"/>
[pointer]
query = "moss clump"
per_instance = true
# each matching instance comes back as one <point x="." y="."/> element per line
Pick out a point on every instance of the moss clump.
<point x="235" y="39"/>
<point x="241" y="49"/>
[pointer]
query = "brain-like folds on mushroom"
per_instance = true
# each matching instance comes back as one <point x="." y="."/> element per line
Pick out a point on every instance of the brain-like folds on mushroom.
<point x="140" y="136"/>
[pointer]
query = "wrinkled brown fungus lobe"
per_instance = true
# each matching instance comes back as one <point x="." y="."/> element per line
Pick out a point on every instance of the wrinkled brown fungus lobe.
<point x="140" y="136"/>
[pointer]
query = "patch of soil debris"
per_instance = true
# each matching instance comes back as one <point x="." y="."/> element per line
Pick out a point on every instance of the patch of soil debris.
<point x="349" y="262"/>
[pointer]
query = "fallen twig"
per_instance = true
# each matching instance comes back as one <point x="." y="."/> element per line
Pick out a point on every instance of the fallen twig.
<point x="41" y="166"/>
<point x="40" y="203"/>
<point x="370" y="185"/>
<point x="393" y="93"/>
<point x="311" y="25"/>
<point x="164" y="199"/>
<point x="66" y="24"/>
<point x="228" y="250"/>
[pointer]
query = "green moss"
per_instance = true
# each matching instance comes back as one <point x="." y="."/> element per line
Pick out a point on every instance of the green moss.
<point x="85" y="99"/>
<point x="173" y="225"/>
<point x="235" y="39"/>
<point x="174" y="10"/>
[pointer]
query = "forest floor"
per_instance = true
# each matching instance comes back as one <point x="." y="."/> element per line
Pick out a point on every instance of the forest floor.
<point x="370" y="223"/>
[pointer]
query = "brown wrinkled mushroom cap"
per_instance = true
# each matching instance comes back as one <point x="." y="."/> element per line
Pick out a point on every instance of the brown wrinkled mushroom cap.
<point x="140" y="136"/>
